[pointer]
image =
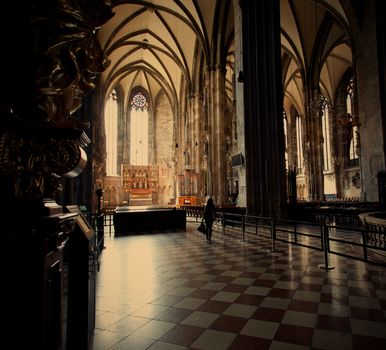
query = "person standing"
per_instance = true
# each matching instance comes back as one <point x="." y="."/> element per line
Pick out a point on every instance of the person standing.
<point x="209" y="217"/>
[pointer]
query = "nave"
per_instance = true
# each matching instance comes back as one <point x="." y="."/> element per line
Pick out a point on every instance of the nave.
<point x="174" y="290"/>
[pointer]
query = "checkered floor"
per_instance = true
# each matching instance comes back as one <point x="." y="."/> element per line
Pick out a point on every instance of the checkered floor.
<point x="175" y="290"/>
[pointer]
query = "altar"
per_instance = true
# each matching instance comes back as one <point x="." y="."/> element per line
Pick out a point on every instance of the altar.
<point x="140" y="183"/>
<point x="138" y="219"/>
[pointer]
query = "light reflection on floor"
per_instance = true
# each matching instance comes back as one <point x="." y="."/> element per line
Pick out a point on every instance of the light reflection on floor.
<point x="177" y="291"/>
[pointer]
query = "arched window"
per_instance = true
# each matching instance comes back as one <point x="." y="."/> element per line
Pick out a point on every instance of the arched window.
<point x="353" y="130"/>
<point x="111" y="128"/>
<point x="299" y="144"/>
<point x="326" y="134"/>
<point x="139" y="130"/>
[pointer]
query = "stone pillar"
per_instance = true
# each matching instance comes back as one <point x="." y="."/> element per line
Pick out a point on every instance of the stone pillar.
<point x="314" y="146"/>
<point x="369" y="90"/>
<point x="196" y="103"/>
<point x="380" y="8"/>
<point x="263" y="105"/>
<point x="239" y="94"/>
<point x="218" y="136"/>
<point x="217" y="142"/>
<point x="180" y="143"/>
<point x="210" y="126"/>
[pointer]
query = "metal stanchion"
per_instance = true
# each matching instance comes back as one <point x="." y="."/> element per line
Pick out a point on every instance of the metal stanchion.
<point x="100" y="229"/>
<point x="325" y="249"/>
<point x="243" y="228"/>
<point x="273" y="237"/>
<point x="364" y="241"/>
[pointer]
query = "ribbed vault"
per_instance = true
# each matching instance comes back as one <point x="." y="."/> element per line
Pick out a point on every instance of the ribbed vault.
<point x="161" y="44"/>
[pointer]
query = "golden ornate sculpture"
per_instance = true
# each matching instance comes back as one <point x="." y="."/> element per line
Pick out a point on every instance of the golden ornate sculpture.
<point x="42" y="140"/>
<point x="71" y="58"/>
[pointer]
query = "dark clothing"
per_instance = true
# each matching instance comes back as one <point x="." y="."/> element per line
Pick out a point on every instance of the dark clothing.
<point x="209" y="217"/>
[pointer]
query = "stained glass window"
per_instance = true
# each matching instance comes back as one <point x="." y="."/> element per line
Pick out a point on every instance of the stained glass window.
<point x="139" y="102"/>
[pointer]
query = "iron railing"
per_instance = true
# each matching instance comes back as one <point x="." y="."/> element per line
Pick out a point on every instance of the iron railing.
<point x="365" y="243"/>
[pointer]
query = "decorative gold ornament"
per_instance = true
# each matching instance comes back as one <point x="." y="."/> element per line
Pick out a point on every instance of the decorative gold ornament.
<point x="42" y="141"/>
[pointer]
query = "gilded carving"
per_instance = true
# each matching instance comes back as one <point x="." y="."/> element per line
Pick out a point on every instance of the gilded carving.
<point x="36" y="165"/>
<point x="71" y="57"/>
<point x="42" y="140"/>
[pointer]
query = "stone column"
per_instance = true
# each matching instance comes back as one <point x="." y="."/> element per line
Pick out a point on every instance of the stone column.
<point x="263" y="105"/>
<point x="370" y="90"/>
<point x="218" y="136"/>
<point x="216" y="142"/>
<point x="239" y="94"/>
<point x="314" y="146"/>
<point x="196" y="105"/>
<point x="380" y="8"/>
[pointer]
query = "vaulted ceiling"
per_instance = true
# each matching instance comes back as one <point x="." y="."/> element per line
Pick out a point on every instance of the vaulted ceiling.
<point x="155" y="43"/>
<point x="313" y="33"/>
<point x="160" y="44"/>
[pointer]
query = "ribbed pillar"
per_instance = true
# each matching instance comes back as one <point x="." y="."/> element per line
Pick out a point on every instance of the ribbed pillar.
<point x="217" y="145"/>
<point x="219" y="136"/>
<point x="264" y="133"/>
<point x="315" y="148"/>
<point x="380" y="8"/>
<point x="195" y="105"/>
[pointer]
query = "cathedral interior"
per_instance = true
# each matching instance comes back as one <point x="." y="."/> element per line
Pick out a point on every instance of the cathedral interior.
<point x="271" y="106"/>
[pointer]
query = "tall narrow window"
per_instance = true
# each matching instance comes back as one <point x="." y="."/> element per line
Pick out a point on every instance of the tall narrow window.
<point x="111" y="127"/>
<point x="139" y="130"/>
<point x="285" y="139"/>
<point x="299" y="144"/>
<point x="326" y="135"/>
<point x="353" y="130"/>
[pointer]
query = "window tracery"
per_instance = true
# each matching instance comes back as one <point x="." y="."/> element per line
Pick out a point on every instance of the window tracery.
<point x="139" y="129"/>
<point x="139" y="102"/>
<point x="326" y="134"/>
<point x="353" y="138"/>
<point x="299" y="145"/>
